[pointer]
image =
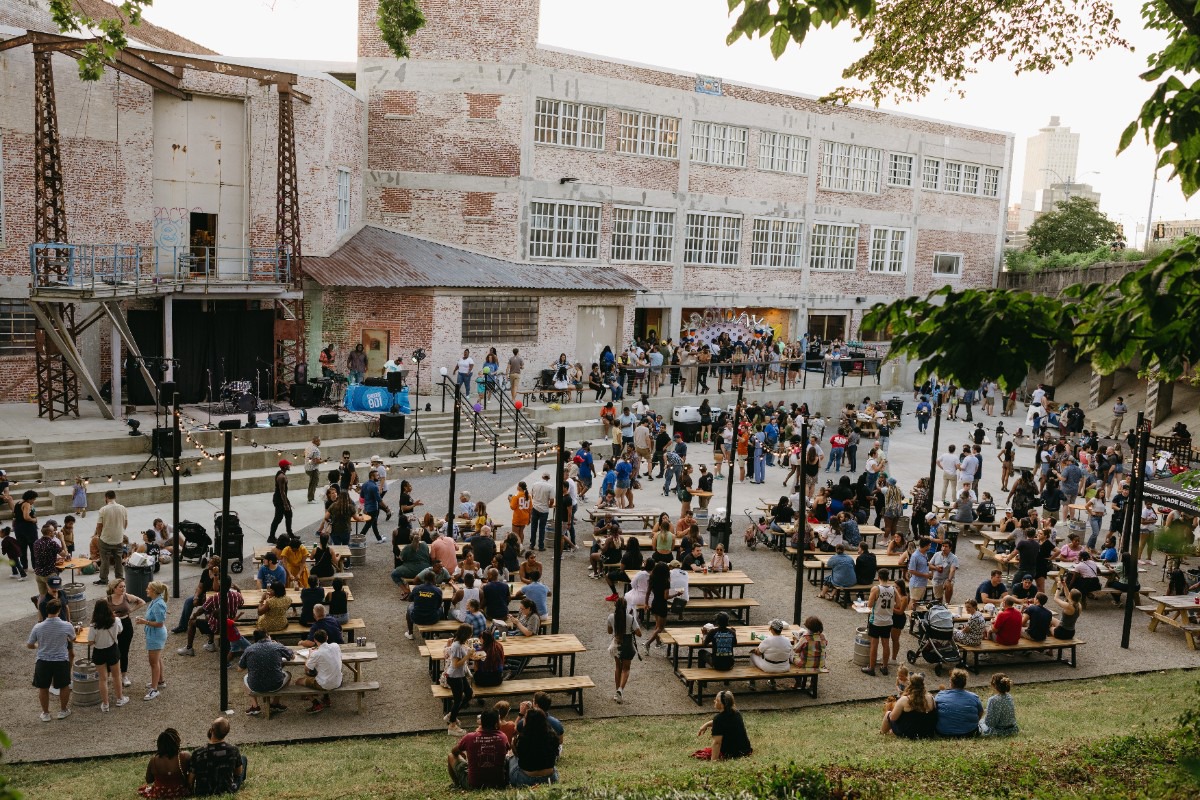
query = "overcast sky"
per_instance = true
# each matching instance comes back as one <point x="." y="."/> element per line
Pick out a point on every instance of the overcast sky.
<point x="1095" y="98"/>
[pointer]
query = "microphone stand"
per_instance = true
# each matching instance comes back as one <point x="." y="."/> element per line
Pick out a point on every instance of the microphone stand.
<point x="210" y="393"/>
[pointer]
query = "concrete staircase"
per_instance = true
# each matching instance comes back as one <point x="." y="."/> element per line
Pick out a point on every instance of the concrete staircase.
<point x="18" y="461"/>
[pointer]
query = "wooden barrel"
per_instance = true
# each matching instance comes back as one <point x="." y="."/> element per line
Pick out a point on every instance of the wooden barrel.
<point x="85" y="684"/>
<point x="862" y="647"/>
<point x="76" y="601"/>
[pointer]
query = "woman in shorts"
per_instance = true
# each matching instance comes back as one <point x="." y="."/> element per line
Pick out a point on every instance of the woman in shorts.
<point x="155" y="623"/>
<point x="104" y="636"/>
<point x="624" y="628"/>
<point x="899" y="617"/>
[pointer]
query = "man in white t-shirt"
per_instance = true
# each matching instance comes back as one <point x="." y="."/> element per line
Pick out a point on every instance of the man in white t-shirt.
<point x="322" y="670"/>
<point x="312" y="466"/>
<point x="1039" y="395"/>
<point x="541" y="495"/>
<point x="966" y="471"/>
<point x="948" y="462"/>
<point x="627" y="421"/>
<point x="463" y="370"/>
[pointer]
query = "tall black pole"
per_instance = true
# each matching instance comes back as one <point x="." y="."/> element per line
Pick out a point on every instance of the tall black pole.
<point x="1132" y="508"/>
<point x="222" y="582"/>
<point x="933" y="457"/>
<point x="175" y="448"/>
<point x="560" y="511"/>
<point x="454" y="447"/>
<point x="737" y="422"/>
<point x="801" y="527"/>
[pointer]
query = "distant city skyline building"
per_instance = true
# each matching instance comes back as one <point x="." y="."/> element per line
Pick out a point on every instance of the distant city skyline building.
<point x="1051" y="157"/>
<point x="1058" y="192"/>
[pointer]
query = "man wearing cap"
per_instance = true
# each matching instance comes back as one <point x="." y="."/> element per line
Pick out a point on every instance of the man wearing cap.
<point x="53" y="595"/>
<point x="541" y="495"/>
<point x="283" y="506"/>
<point x="381" y="474"/>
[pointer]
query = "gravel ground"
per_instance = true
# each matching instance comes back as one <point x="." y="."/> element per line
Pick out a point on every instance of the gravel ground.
<point x="404" y="703"/>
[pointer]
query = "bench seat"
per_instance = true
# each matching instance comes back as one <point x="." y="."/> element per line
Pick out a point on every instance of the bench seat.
<point x="843" y="595"/>
<point x="447" y="627"/>
<point x="696" y="678"/>
<point x="571" y="685"/>
<point x="988" y="647"/>
<point x="738" y="606"/>
<point x="359" y="688"/>
<point x="345" y="576"/>
<point x="296" y="630"/>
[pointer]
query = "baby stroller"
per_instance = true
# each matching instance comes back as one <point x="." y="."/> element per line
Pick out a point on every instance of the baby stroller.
<point x="935" y="639"/>
<point x="196" y="541"/>
<point x="231" y="539"/>
<point x="756" y="529"/>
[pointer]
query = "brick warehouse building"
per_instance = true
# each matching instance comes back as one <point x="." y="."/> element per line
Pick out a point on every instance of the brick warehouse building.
<point x="491" y="191"/>
<point x="707" y="194"/>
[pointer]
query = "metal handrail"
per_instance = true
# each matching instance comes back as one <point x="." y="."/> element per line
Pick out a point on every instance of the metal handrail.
<point x="121" y="265"/>
<point x="521" y="424"/>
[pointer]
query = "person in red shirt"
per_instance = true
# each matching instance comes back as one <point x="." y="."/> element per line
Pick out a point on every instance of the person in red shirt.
<point x="837" y="449"/>
<point x="1006" y="628"/>
<point x="477" y="761"/>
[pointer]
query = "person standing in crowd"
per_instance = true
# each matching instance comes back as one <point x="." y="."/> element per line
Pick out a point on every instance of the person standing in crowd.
<point x="1119" y="410"/>
<point x="113" y="522"/>
<point x="122" y="605"/>
<point x="327" y="359"/>
<point x="25" y="527"/>
<point x="312" y="466"/>
<point x="516" y="365"/>
<point x="462" y="373"/>
<point x="541" y="500"/>
<point x="624" y="628"/>
<point x="155" y="623"/>
<point x="103" y="636"/>
<point x="369" y="492"/>
<point x="45" y="556"/>
<point x="279" y="499"/>
<point x="356" y="364"/>
<point x="54" y="640"/>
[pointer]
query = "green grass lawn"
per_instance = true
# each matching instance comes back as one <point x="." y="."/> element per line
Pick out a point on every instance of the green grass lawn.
<point x="1099" y="738"/>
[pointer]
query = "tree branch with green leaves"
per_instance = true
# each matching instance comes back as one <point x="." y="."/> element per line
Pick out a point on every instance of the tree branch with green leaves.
<point x="109" y="32"/>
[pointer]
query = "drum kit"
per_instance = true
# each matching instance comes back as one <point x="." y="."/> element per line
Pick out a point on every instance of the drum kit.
<point x="238" y="397"/>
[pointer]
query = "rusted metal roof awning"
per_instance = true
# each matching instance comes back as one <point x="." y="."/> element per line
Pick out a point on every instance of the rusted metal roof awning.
<point x="379" y="259"/>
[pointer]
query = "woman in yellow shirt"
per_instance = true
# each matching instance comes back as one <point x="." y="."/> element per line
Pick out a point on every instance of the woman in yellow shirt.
<point x="273" y="608"/>
<point x="295" y="561"/>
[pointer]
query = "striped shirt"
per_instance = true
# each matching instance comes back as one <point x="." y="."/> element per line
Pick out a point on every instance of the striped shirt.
<point x="810" y="651"/>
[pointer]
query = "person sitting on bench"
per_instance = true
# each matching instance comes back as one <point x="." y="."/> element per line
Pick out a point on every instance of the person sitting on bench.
<point x="426" y="605"/>
<point x="841" y="573"/>
<point x="721" y="641"/>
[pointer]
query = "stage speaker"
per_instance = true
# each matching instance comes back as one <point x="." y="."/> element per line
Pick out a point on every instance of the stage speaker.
<point x="229" y="424"/>
<point x="166" y="392"/>
<point x="328" y="419"/>
<point x="391" y="426"/>
<point x="395" y="381"/>
<point x="279" y="419"/>
<point x="302" y="395"/>
<point x="164" y="444"/>
<point x="376" y="382"/>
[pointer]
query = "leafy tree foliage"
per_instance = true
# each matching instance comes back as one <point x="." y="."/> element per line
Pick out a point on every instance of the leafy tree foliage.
<point x="398" y="20"/>
<point x="110" y="32"/>
<point x="1076" y="225"/>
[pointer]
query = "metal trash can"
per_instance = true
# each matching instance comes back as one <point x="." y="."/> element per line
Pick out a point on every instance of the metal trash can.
<point x="137" y="579"/>
<point x="719" y="528"/>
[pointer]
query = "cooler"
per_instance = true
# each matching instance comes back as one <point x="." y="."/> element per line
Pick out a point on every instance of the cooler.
<point x="686" y="414"/>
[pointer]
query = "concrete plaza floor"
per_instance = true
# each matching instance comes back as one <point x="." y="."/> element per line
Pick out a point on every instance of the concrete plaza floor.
<point x="405" y="703"/>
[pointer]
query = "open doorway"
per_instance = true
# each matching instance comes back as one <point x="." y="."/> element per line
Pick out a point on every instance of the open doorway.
<point x="202" y="242"/>
<point x="377" y="343"/>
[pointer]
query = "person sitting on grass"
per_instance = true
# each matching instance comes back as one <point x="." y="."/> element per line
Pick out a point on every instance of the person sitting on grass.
<point x="841" y="573"/>
<point x="263" y="662"/>
<point x="729" y="738"/>
<point x="167" y="772"/>
<point x="477" y="760"/>
<point x="914" y="714"/>
<point x="322" y="671"/>
<point x="535" y="751"/>
<point x="217" y="767"/>
<point x="425" y="607"/>
<point x="1000" y="718"/>
<point x="958" y="711"/>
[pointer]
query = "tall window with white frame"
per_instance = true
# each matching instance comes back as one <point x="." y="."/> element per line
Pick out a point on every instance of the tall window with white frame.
<point x="947" y="264"/>
<point x="643" y="235"/>
<point x="713" y="240"/>
<point x="644" y="134"/>
<point x="783" y="152"/>
<point x="931" y="171"/>
<point x="889" y="247"/>
<point x="991" y="182"/>
<point x="343" y="200"/>
<point x="900" y="169"/>
<point x="776" y="242"/>
<point x="833" y="247"/>
<point x="569" y="124"/>
<point x="564" y="230"/>
<point x="722" y="145"/>
<point x="851" y="167"/>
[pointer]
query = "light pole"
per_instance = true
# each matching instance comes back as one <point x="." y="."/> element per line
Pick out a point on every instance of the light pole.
<point x="1068" y="183"/>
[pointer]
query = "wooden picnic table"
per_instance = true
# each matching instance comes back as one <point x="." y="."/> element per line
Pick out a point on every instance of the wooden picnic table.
<point x="353" y="657"/>
<point x="1176" y="611"/>
<point x="723" y="582"/>
<point x="646" y="514"/>
<point x="554" y="647"/>
<point x="252" y="597"/>
<point x="692" y="640"/>
<point x="341" y="552"/>
<point x="818" y="565"/>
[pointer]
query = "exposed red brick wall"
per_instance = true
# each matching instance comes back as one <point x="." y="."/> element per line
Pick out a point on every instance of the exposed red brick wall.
<point x="408" y="318"/>
<point x="478" y="204"/>
<point x="482" y="106"/>
<point x="399" y="102"/>
<point x="395" y="201"/>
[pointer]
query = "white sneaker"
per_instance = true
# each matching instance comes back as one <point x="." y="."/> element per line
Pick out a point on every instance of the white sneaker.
<point x="408" y="635"/>
<point x="185" y="651"/>
<point x="44" y="716"/>
<point x="126" y="682"/>
<point x="54" y="690"/>
<point x="63" y="714"/>
<point x="121" y="701"/>
<point x="151" y="695"/>
<point x="209" y="647"/>
<point x="104" y="707"/>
